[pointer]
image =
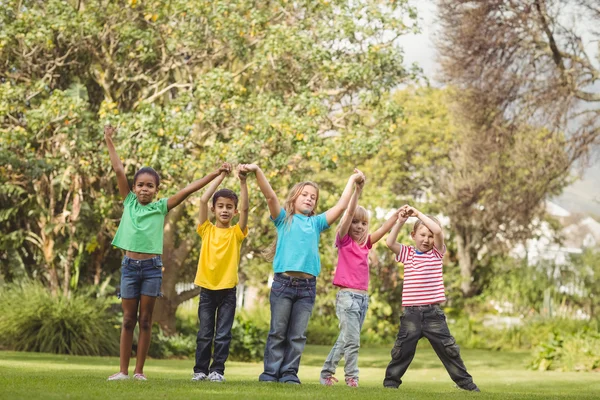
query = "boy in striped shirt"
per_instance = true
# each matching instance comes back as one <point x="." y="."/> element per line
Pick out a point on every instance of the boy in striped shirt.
<point x="422" y="294"/>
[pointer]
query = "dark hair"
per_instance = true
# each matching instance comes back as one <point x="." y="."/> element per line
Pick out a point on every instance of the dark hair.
<point x="147" y="170"/>
<point x="226" y="193"/>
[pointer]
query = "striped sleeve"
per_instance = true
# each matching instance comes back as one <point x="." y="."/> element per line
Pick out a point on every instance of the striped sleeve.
<point x="404" y="253"/>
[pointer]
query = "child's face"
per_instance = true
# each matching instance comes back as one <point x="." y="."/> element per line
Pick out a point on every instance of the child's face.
<point x="305" y="203"/>
<point x="145" y="188"/>
<point x="224" y="210"/>
<point x="423" y="238"/>
<point x="357" y="229"/>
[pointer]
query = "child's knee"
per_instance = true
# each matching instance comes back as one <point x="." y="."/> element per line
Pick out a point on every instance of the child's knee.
<point x="129" y="323"/>
<point x="145" y="323"/>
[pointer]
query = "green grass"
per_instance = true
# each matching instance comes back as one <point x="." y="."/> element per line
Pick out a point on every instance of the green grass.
<point x="500" y="375"/>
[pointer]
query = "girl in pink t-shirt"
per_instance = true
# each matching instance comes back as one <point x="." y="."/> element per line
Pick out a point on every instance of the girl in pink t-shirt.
<point x="352" y="277"/>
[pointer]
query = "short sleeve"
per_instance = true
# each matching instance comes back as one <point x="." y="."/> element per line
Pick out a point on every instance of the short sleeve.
<point x="162" y="206"/>
<point x="342" y="241"/>
<point x="203" y="228"/>
<point x="280" y="218"/>
<point x="239" y="234"/>
<point x="439" y="253"/>
<point x="404" y="253"/>
<point x="321" y="222"/>
<point x="131" y="197"/>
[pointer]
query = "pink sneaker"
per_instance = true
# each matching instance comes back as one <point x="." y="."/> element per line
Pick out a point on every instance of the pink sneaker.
<point x="328" y="381"/>
<point x="140" y="377"/>
<point x="352" y="382"/>
<point x="119" y="376"/>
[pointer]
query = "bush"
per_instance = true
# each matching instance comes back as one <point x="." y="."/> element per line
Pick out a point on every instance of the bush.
<point x="573" y="352"/>
<point x="178" y="345"/>
<point x="249" y="335"/>
<point x="34" y="320"/>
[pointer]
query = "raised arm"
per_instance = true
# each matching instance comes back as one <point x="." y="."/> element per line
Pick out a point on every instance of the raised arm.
<point x="117" y="165"/>
<point x="391" y="239"/>
<point x="385" y="228"/>
<point x="438" y="232"/>
<point x="244" y="204"/>
<point x="336" y="211"/>
<point x="205" y="198"/>
<point x="265" y="188"/>
<point x="180" y="196"/>
<point x="349" y="215"/>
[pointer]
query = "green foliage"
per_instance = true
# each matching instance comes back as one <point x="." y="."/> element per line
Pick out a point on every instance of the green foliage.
<point x="34" y="320"/>
<point x="572" y="352"/>
<point x="178" y="345"/>
<point x="249" y="336"/>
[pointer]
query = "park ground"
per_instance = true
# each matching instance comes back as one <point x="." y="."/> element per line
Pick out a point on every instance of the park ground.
<point x="500" y="375"/>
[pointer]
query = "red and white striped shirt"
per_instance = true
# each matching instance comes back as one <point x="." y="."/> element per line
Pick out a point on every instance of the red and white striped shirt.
<point x="423" y="280"/>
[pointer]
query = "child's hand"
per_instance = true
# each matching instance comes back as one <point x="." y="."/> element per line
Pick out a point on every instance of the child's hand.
<point x="241" y="173"/>
<point x="358" y="177"/>
<point x="109" y="130"/>
<point x="245" y="168"/>
<point x="401" y="215"/>
<point x="410" y="211"/>
<point x="225" y="167"/>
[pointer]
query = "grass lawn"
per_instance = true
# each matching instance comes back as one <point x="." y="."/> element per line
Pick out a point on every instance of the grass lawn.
<point x="500" y="375"/>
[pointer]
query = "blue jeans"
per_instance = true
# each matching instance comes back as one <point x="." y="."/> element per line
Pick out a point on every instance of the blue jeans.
<point x="426" y="321"/>
<point x="351" y="309"/>
<point x="292" y="300"/>
<point x="140" y="277"/>
<point x="219" y="305"/>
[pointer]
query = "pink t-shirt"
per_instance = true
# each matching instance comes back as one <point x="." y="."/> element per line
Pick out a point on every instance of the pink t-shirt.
<point x="423" y="280"/>
<point x="353" y="263"/>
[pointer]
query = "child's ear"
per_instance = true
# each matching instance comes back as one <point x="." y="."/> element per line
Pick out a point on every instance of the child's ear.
<point x="235" y="211"/>
<point x="212" y="209"/>
<point x="412" y="235"/>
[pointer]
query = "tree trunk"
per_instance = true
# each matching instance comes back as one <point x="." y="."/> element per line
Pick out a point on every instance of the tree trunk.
<point x="173" y="262"/>
<point x="466" y="260"/>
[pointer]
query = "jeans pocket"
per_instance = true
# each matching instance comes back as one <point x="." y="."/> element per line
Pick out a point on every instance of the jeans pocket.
<point x="397" y="349"/>
<point x="451" y="347"/>
<point x="277" y="288"/>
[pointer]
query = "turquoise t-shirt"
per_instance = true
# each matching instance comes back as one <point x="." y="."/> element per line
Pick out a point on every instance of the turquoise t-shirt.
<point x="298" y="243"/>
<point x="141" y="227"/>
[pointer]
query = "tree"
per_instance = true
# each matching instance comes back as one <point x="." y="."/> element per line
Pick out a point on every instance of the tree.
<point x="533" y="60"/>
<point x="187" y="82"/>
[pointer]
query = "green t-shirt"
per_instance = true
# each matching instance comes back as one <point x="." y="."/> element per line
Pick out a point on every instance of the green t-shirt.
<point x="141" y="227"/>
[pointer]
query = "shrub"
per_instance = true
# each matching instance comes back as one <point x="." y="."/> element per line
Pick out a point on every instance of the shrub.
<point x="573" y="352"/>
<point x="34" y="320"/>
<point x="178" y="345"/>
<point x="249" y="336"/>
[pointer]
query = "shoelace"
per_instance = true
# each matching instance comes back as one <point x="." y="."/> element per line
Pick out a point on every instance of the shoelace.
<point x="329" y="381"/>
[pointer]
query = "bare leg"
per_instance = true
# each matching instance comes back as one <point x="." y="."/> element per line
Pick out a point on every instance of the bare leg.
<point x="130" y="308"/>
<point x="146" y="309"/>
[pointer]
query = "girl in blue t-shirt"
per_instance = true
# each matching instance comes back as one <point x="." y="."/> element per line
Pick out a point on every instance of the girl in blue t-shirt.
<point x="296" y="264"/>
<point x="140" y="234"/>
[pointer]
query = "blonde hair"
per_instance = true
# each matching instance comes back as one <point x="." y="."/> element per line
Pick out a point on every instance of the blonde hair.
<point x="288" y="206"/>
<point x="419" y="223"/>
<point x="360" y="214"/>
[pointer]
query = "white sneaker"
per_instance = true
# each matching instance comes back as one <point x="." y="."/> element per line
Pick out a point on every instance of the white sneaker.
<point x="199" y="376"/>
<point x="216" y="377"/>
<point x="119" y="376"/>
<point x="140" y="377"/>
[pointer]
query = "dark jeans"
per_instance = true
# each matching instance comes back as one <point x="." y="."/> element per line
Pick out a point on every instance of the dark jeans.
<point x="220" y="304"/>
<point x="430" y="322"/>
<point x="292" y="301"/>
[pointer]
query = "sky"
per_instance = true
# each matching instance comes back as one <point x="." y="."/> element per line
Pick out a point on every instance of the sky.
<point x="583" y="195"/>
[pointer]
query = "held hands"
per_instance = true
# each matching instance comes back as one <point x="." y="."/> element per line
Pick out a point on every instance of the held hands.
<point x="359" y="178"/>
<point x="407" y="211"/>
<point x="245" y="168"/>
<point x="225" y="168"/>
<point x="241" y="173"/>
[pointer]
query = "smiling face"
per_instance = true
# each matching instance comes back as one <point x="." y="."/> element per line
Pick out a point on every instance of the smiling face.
<point x="358" y="228"/>
<point x="145" y="188"/>
<point x="306" y="200"/>
<point x="224" y="209"/>
<point x="423" y="238"/>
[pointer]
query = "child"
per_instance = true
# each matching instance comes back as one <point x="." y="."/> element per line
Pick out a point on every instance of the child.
<point x="422" y="293"/>
<point x="352" y="277"/>
<point x="296" y="264"/>
<point x="140" y="234"/>
<point x="218" y="275"/>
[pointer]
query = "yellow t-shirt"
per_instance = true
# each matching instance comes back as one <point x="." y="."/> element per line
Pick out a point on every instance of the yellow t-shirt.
<point x="219" y="256"/>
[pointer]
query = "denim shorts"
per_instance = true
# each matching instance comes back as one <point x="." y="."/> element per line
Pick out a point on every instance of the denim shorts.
<point x="141" y="277"/>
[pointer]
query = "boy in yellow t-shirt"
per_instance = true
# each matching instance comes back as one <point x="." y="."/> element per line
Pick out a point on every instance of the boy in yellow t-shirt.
<point x="218" y="275"/>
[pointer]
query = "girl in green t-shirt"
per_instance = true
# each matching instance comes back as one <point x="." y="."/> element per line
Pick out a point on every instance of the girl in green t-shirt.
<point x="140" y="235"/>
